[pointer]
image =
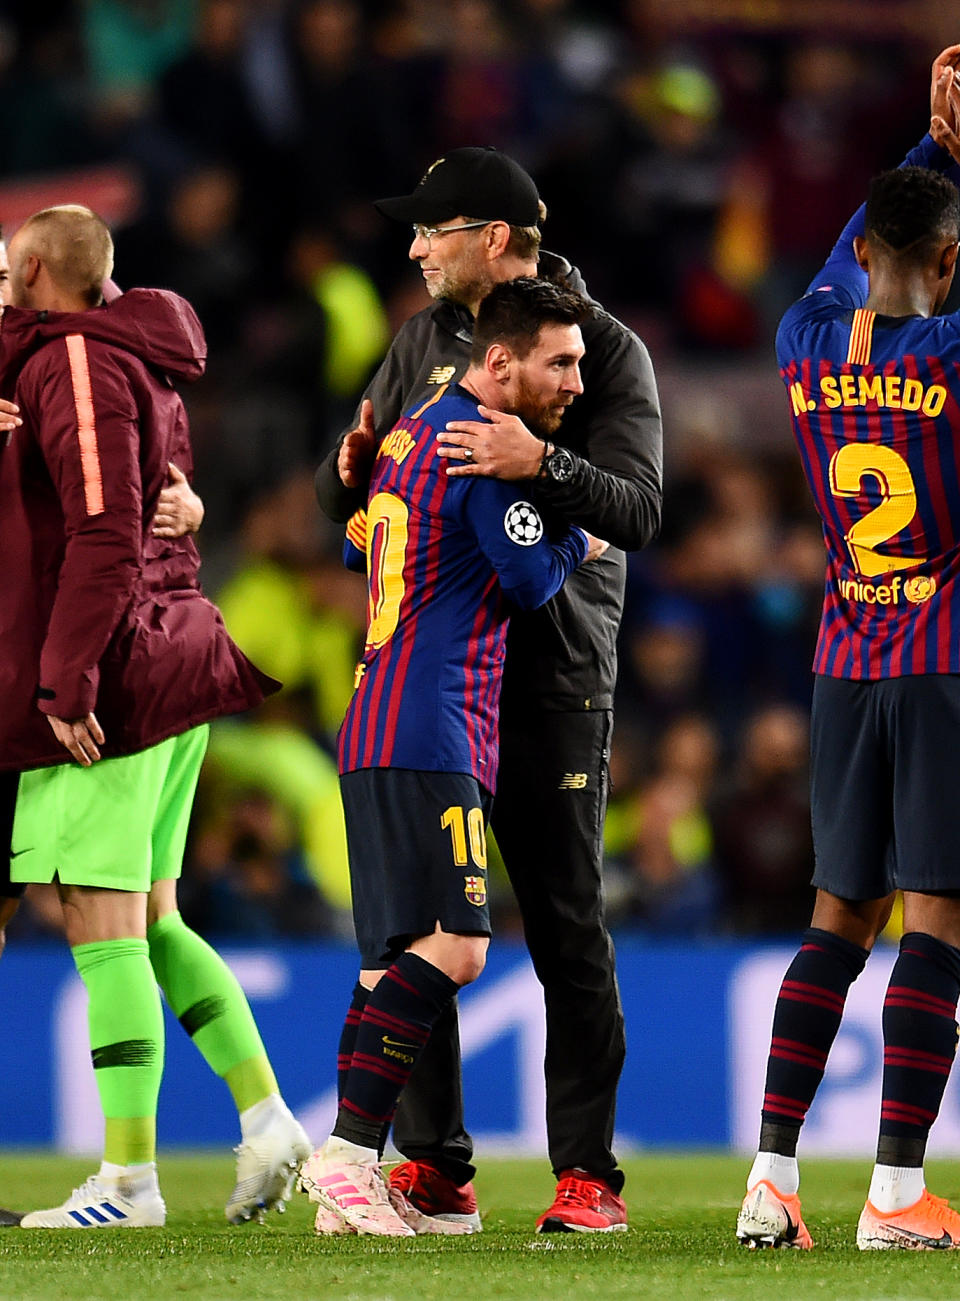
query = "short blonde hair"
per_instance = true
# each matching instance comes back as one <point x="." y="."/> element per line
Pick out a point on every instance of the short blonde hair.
<point x="74" y="245"/>
<point x="525" y="240"/>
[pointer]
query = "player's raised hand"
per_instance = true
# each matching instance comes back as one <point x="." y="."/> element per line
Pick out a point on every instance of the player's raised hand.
<point x="9" y="416"/>
<point x="499" y="446"/>
<point x="81" y="737"/>
<point x="357" y="449"/>
<point x="942" y="103"/>
<point x="946" y="137"/>
<point x="179" y="509"/>
<point x="945" y="101"/>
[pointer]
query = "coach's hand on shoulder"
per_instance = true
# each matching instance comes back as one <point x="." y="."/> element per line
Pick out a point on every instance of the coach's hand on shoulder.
<point x="9" y="416"/>
<point x="81" y="737"/>
<point x="499" y="446"/>
<point x="179" y="509"/>
<point x="357" y="449"/>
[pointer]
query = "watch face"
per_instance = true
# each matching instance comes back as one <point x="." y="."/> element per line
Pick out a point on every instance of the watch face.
<point x="560" y="465"/>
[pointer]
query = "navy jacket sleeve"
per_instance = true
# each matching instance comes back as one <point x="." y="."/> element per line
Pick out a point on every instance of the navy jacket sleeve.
<point x="510" y="533"/>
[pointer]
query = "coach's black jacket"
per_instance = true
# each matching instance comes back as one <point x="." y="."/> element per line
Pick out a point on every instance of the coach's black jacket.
<point x="562" y="656"/>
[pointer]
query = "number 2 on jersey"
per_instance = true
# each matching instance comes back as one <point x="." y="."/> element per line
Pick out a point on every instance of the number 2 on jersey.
<point x="899" y="505"/>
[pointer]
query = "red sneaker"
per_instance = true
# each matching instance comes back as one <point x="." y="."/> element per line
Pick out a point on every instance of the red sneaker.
<point x="583" y="1204"/>
<point x="429" y="1202"/>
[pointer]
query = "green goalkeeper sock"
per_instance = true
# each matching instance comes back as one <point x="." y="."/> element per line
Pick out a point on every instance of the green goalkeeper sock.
<point x="126" y="1043"/>
<point x="206" y="998"/>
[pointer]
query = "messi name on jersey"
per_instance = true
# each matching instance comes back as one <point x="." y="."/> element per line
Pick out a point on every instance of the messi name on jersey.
<point x="446" y="558"/>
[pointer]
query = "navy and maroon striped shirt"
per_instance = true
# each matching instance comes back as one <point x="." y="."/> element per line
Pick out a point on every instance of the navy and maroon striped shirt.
<point x="445" y="558"/>
<point x="875" y="403"/>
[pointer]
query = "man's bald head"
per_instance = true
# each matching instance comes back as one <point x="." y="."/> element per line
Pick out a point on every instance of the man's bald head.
<point x="68" y="246"/>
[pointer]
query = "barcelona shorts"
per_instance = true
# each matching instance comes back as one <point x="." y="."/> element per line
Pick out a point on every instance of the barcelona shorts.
<point x="120" y="824"/>
<point x="417" y="848"/>
<point x="884" y="790"/>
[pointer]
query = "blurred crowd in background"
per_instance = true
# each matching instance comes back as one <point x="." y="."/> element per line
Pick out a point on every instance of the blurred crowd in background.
<point x="698" y="159"/>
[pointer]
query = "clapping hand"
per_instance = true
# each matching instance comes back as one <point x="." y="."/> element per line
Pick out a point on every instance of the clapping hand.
<point x="945" y="101"/>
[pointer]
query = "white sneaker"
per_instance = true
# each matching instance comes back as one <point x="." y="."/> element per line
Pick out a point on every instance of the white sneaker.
<point x="770" y="1218"/>
<point x="354" y="1190"/>
<point x="329" y="1224"/>
<point x="266" y="1168"/>
<point x="103" y="1203"/>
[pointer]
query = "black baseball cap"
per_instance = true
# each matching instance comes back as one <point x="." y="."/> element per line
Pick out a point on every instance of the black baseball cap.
<point x="471" y="182"/>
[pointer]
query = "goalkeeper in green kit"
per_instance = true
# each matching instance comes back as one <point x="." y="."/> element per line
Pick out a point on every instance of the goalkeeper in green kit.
<point x="112" y="663"/>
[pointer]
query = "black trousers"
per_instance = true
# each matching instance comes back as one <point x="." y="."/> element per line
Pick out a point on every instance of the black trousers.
<point x="548" y="818"/>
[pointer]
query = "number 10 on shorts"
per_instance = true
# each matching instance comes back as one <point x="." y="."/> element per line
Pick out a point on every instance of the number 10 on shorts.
<point x="461" y="828"/>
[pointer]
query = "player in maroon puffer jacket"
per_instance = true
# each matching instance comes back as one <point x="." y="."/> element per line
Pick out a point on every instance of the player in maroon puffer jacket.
<point x="110" y="617"/>
<point x="111" y="663"/>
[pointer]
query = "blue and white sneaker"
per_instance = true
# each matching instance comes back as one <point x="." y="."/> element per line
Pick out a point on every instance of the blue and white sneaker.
<point x="104" y="1203"/>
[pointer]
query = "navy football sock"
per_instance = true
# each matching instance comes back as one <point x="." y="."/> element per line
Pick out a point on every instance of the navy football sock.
<point x="919" y="1043"/>
<point x="807" y="1017"/>
<point x="348" y="1035"/>
<point x="394" y="1026"/>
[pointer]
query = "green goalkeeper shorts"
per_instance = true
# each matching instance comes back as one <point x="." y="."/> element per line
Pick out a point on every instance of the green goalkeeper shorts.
<point x="120" y="824"/>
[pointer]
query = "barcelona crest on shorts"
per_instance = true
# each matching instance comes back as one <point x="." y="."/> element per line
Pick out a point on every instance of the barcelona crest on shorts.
<point x="475" y="888"/>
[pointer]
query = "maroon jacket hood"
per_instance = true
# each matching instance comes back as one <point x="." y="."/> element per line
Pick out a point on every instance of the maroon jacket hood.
<point x="97" y="614"/>
<point x="156" y="325"/>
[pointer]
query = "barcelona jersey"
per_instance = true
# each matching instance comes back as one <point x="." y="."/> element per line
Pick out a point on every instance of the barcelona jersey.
<point x="875" y="403"/>
<point x="446" y="558"/>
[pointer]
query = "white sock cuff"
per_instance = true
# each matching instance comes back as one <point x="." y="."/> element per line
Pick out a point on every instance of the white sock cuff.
<point x="781" y="1171"/>
<point x="894" y="1187"/>
<point x="341" y="1149"/>
<point x="254" y="1120"/>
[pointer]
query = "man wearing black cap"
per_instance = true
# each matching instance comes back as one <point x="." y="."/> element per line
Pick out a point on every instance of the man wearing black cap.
<point x="476" y="216"/>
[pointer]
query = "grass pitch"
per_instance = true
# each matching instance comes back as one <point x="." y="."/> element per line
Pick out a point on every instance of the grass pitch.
<point x="680" y="1244"/>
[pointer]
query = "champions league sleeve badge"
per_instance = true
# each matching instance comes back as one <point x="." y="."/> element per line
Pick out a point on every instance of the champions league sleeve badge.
<point x="522" y="524"/>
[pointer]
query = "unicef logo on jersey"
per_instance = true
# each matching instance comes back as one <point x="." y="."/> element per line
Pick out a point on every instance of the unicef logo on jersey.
<point x="522" y="524"/>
